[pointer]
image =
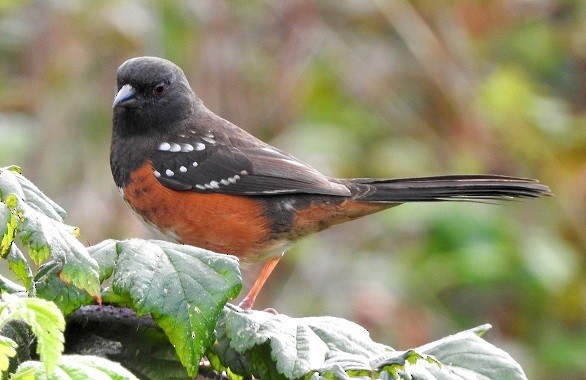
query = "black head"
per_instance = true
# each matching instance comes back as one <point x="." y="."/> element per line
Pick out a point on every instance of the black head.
<point x="152" y="93"/>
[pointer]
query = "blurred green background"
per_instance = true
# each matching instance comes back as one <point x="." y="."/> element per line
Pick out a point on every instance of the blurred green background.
<point x="355" y="88"/>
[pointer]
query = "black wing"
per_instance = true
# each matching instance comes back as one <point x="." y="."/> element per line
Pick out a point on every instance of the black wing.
<point x="206" y="165"/>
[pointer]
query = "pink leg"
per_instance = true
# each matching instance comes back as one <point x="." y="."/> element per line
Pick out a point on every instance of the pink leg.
<point x="248" y="301"/>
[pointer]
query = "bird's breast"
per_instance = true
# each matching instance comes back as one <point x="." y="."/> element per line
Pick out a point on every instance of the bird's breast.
<point x="222" y="223"/>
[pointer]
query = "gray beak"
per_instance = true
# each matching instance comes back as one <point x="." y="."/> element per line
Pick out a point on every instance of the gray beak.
<point x="126" y="97"/>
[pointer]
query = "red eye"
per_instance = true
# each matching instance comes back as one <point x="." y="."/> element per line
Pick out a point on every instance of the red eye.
<point x="160" y="89"/>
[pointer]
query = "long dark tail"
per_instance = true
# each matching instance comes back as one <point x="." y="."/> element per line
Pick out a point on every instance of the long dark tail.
<point x="447" y="188"/>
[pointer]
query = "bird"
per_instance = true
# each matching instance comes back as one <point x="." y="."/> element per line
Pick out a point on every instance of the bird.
<point x="198" y="179"/>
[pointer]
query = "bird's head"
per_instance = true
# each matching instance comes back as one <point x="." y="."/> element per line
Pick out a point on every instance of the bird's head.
<point x="151" y="93"/>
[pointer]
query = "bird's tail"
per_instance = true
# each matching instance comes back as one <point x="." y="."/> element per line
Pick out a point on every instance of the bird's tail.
<point x="481" y="188"/>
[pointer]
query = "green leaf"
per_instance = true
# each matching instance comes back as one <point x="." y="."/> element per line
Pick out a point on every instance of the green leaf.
<point x="11" y="287"/>
<point x="277" y="346"/>
<point x="184" y="289"/>
<point x="74" y="367"/>
<point x="18" y="264"/>
<point x="69" y="298"/>
<point x="465" y="355"/>
<point x="9" y="184"/>
<point x="49" y="286"/>
<point x="45" y="321"/>
<point x="11" y="181"/>
<point x="106" y="254"/>
<point x="46" y="237"/>
<point x="8" y="223"/>
<point x="7" y="351"/>
<point x="13" y="168"/>
<point x="295" y="345"/>
<point x="217" y="366"/>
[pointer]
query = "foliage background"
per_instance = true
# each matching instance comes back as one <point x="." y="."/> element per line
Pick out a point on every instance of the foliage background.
<point x="356" y="88"/>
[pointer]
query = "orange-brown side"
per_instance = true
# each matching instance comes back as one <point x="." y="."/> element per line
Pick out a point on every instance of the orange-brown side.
<point x="222" y="223"/>
<point x="321" y="215"/>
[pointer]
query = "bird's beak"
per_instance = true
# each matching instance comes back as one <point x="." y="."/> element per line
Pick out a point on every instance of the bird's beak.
<point x="126" y="97"/>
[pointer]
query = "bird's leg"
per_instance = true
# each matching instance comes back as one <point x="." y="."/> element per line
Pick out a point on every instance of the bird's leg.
<point x="248" y="301"/>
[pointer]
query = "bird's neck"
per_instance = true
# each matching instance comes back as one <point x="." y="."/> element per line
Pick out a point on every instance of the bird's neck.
<point x="128" y="151"/>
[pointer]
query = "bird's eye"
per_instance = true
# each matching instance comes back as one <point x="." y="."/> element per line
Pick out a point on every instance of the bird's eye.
<point x="160" y="89"/>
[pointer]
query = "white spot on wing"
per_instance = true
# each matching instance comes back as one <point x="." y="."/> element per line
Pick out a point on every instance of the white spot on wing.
<point x="200" y="146"/>
<point x="169" y="172"/>
<point x="186" y="147"/>
<point x="165" y="146"/>
<point x="175" y="147"/>
<point x="243" y="172"/>
<point x="215" y="184"/>
<point x="208" y="139"/>
<point x="182" y="169"/>
<point x="194" y="163"/>
<point x="224" y="182"/>
<point x="156" y="173"/>
<point x="201" y="187"/>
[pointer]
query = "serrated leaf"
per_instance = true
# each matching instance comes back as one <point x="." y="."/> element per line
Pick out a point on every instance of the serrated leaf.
<point x="45" y="321"/>
<point x="8" y="223"/>
<point x="223" y="357"/>
<point x="11" y="287"/>
<point x="49" y="286"/>
<point x="7" y="351"/>
<point x="13" y="168"/>
<point x="46" y="237"/>
<point x="465" y="355"/>
<point x="106" y="255"/>
<point x="9" y="184"/>
<point x="401" y="364"/>
<point x="249" y="341"/>
<point x="18" y="264"/>
<point x="11" y="181"/>
<point x="38" y="200"/>
<point x="184" y="289"/>
<point x="75" y="367"/>
<point x="217" y="366"/>
<point x="297" y="345"/>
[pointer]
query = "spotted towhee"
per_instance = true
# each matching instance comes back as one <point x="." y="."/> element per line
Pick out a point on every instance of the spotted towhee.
<point x="199" y="179"/>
